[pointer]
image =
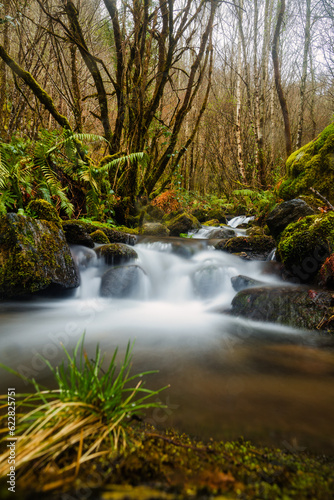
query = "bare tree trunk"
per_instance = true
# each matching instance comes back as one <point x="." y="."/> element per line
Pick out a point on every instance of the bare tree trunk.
<point x="278" y="82"/>
<point x="241" y="167"/>
<point x="304" y="74"/>
<point x="77" y="108"/>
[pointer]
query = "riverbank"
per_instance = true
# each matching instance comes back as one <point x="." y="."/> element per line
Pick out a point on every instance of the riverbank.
<point x="167" y="465"/>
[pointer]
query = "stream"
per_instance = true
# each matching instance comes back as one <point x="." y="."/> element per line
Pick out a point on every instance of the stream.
<point x="228" y="376"/>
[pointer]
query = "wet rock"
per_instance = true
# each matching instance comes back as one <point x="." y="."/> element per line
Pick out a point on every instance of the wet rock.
<point x="34" y="256"/>
<point x="76" y="235"/>
<point x="242" y="282"/>
<point x="201" y="214"/>
<point x="100" y="237"/>
<point x="181" y="223"/>
<point x="122" y="281"/>
<point x="116" y="253"/>
<point x="222" y="233"/>
<point x="154" y="229"/>
<point x="286" y="213"/>
<point x="113" y="235"/>
<point x="305" y="245"/>
<point x="256" y="247"/>
<point x="298" y="307"/>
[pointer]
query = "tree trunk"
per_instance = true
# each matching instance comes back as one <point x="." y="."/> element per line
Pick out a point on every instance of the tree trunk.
<point x="278" y="82"/>
<point x="304" y="74"/>
<point x="241" y="167"/>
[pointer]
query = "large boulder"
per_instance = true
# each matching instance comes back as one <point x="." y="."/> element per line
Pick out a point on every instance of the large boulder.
<point x="305" y="245"/>
<point x="286" y="213"/>
<point x="181" y="223"/>
<point x="297" y="307"/>
<point x="113" y="235"/>
<point x="256" y="247"/>
<point x="154" y="229"/>
<point x="311" y="166"/>
<point x="216" y="213"/>
<point x="34" y="256"/>
<point x="116" y="253"/>
<point x="122" y="281"/>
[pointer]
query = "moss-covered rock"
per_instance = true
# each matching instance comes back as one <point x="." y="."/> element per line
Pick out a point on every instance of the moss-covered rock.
<point x="76" y="235"/>
<point x="218" y="214"/>
<point x="256" y="247"/>
<point x="116" y="253"/>
<point x="43" y="210"/>
<point x="113" y="235"/>
<point x="311" y="166"/>
<point x="99" y="236"/>
<point x="154" y="229"/>
<point x="181" y="223"/>
<point x="34" y="255"/>
<point x="201" y="214"/>
<point x="296" y="307"/>
<point x="286" y="213"/>
<point x="211" y="222"/>
<point x="305" y="245"/>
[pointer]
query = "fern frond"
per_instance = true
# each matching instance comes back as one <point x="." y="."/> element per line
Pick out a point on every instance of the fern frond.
<point x="131" y="158"/>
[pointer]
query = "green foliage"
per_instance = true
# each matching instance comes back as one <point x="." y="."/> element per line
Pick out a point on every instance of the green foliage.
<point x="254" y="202"/>
<point x="91" y="408"/>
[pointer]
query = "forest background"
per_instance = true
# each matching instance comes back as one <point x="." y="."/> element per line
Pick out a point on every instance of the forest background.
<point x="104" y="103"/>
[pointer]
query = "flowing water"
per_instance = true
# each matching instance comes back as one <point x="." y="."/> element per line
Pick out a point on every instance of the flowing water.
<point x="228" y="376"/>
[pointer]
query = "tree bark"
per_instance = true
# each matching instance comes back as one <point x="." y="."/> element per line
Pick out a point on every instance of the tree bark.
<point x="278" y="82"/>
<point x="304" y="74"/>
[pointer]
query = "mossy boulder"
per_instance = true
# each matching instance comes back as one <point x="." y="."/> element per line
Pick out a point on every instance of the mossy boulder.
<point x="121" y="281"/>
<point x="34" y="256"/>
<point x="297" y="307"/>
<point x="306" y="244"/>
<point x="201" y="214"/>
<point x="154" y="229"/>
<point x="211" y="222"/>
<point x="311" y="166"/>
<point x="255" y="247"/>
<point x="43" y="210"/>
<point x="217" y="214"/>
<point x="113" y="235"/>
<point x="116" y="253"/>
<point x="77" y="235"/>
<point x="182" y="223"/>
<point x="286" y="213"/>
<point x="99" y="236"/>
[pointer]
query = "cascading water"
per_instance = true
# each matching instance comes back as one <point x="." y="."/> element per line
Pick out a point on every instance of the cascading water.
<point x="229" y="376"/>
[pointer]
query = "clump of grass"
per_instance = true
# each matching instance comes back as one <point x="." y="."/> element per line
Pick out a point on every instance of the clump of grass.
<point x="86" y="417"/>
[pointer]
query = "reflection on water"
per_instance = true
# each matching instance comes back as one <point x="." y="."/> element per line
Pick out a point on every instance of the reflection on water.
<point x="228" y="376"/>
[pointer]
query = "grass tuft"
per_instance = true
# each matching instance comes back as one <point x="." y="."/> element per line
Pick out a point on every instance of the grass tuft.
<point x="86" y="417"/>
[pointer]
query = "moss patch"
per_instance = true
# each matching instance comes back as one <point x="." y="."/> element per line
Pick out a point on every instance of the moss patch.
<point x="43" y="210"/>
<point x="306" y="244"/>
<point x="172" y="466"/>
<point x="311" y="166"/>
<point x="99" y="236"/>
<point x="33" y="255"/>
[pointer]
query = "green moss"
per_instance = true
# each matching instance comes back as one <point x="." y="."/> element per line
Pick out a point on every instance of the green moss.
<point x="311" y="166"/>
<point x="41" y="209"/>
<point x="305" y="244"/>
<point x="168" y="465"/>
<point x="99" y="236"/>
<point x="33" y="255"/>
<point x="116" y="253"/>
<point x="212" y="222"/>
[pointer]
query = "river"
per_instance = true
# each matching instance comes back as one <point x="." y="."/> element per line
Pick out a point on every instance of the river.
<point x="228" y="376"/>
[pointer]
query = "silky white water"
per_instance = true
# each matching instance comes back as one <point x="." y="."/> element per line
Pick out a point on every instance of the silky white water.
<point x="228" y="376"/>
